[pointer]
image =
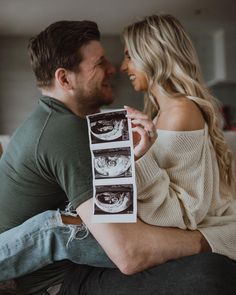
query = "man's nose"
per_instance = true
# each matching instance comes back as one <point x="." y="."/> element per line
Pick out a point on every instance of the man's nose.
<point x="111" y="70"/>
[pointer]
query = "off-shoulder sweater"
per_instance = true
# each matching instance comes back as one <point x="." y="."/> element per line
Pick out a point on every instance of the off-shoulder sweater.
<point x="179" y="186"/>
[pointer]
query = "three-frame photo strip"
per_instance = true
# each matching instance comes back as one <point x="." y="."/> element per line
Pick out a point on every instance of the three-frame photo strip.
<point x="114" y="187"/>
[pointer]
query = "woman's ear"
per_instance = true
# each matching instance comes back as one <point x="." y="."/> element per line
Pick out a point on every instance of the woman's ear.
<point x="62" y="77"/>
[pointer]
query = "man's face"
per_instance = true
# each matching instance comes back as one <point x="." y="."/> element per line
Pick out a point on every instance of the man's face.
<point x="92" y="81"/>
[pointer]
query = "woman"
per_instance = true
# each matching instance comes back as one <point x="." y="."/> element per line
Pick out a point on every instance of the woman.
<point x="178" y="178"/>
<point x="187" y="178"/>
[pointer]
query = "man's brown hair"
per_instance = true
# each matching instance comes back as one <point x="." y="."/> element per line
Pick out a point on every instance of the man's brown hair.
<point x="58" y="46"/>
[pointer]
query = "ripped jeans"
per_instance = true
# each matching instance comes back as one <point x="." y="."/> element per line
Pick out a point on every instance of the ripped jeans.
<point x="44" y="239"/>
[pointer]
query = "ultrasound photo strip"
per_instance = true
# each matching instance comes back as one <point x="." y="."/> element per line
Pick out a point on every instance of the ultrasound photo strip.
<point x="114" y="199"/>
<point x="108" y="127"/>
<point x="111" y="146"/>
<point x="112" y="163"/>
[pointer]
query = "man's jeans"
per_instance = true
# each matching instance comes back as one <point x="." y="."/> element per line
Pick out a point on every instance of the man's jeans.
<point x="44" y="239"/>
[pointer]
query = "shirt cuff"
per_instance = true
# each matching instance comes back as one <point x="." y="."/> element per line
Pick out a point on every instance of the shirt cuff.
<point x="76" y="201"/>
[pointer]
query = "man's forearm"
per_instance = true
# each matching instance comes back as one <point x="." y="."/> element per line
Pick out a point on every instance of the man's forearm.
<point x="137" y="246"/>
<point x="176" y="243"/>
<point x="160" y="244"/>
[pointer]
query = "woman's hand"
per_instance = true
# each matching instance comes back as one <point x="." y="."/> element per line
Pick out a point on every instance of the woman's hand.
<point x="144" y="131"/>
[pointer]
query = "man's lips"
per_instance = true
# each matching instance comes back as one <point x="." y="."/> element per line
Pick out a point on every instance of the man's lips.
<point x="106" y="84"/>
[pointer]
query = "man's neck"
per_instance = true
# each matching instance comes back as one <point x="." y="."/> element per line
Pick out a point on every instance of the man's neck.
<point x="81" y="111"/>
<point x="84" y="112"/>
<point x="72" y="105"/>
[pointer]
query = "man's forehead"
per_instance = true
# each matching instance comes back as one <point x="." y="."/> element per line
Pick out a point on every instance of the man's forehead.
<point x="92" y="51"/>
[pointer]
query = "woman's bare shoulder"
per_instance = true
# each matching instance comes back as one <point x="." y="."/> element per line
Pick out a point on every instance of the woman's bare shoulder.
<point x="185" y="116"/>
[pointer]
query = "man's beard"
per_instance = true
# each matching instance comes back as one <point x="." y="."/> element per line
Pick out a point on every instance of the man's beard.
<point x="91" y="101"/>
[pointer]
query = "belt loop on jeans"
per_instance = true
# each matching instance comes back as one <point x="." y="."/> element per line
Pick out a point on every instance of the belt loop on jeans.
<point x="70" y="211"/>
<point x="78" y="231"/>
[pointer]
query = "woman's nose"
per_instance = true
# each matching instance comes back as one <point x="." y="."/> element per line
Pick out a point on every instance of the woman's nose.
<point x="123" y="67"/>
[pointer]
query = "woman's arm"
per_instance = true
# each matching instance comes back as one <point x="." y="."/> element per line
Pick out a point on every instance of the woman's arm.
<point x="174" y="177"/>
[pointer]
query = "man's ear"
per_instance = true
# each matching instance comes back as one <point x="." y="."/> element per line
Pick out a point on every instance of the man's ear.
<point x="62" y="77"/>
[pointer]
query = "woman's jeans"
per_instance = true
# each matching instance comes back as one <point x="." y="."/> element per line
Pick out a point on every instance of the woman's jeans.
<point x="201" y="274"/>
<point x="44" y="239"/>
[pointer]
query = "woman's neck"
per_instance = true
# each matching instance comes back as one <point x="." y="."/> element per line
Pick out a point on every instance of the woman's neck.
<point x="164" y="102"/>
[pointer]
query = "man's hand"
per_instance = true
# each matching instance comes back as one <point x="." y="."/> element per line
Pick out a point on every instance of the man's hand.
<point x="144" y="131"/>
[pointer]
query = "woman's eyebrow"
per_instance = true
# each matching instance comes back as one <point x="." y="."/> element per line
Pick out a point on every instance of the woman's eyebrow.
<point x="126" y="52"/>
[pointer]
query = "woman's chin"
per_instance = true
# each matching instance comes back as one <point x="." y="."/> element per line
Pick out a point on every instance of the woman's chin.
<point x="136" y="88"/>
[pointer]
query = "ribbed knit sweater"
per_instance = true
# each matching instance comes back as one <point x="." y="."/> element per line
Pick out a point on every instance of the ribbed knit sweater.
<point x="179" y="186"/>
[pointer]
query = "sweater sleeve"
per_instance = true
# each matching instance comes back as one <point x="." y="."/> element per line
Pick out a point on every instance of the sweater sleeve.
<point x="221" y="236"/>
<point x="179" y="193"/>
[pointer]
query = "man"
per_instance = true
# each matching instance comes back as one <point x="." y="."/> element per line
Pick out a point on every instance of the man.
<point x="48" y="162"/>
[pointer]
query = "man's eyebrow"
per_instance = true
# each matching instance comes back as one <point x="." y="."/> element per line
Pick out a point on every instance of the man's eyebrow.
<point x="101" y="58"/>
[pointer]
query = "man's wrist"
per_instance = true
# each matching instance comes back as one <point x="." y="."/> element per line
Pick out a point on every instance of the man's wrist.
<point x="175" y="243"/>
<point x="198" y="242"/>
<point x="205" y="247"/>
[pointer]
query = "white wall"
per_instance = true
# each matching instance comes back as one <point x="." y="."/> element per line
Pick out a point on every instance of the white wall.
<point x="18" y="95"/>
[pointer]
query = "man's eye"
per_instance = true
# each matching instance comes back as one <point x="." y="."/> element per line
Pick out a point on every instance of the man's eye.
<point x="101" y="63"/>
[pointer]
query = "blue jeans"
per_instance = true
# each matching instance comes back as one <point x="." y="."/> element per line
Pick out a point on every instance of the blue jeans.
<point x="44" y="239"/>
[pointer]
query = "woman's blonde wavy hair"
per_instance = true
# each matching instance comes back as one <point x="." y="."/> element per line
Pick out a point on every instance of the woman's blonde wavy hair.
<point x="159" y="46"/>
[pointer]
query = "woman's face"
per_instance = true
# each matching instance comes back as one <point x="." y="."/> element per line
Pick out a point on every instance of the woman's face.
<point x="138" y="78"/>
